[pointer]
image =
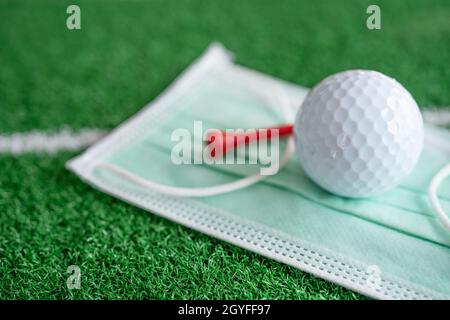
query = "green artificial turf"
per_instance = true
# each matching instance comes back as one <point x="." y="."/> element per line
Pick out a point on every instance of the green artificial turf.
<point x="51" y="220"/>
<point x="126" y="53"/>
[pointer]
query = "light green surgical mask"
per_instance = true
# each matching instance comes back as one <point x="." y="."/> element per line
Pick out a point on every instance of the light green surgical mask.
<point x="391" y="246"/>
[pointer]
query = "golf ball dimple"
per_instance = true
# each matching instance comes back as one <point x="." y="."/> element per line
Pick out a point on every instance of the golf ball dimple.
<point x="358" y="133"/>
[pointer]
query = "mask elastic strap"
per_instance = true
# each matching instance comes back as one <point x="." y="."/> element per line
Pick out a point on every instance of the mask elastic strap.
<point x="432" y="193"/>
<point x="196" y="192"/>
<point x="276" y="97"/>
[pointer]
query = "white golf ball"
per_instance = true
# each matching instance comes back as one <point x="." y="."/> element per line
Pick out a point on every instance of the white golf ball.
<point x="358" y="133"/>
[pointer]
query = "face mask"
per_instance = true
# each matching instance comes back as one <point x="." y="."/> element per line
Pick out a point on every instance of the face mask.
<point x="390" y="246"/>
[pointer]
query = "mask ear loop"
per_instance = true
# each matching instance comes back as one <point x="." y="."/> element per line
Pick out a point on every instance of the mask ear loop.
<point x="196" y="192"/>
<point x="279" y="98"/>
<point x="432" y="194"/>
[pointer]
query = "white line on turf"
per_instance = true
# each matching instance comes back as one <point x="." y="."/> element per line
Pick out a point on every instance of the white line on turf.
<point x="68" y="139"/>
<point x="437" y="116"/>
<point x="38" y="141"/>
